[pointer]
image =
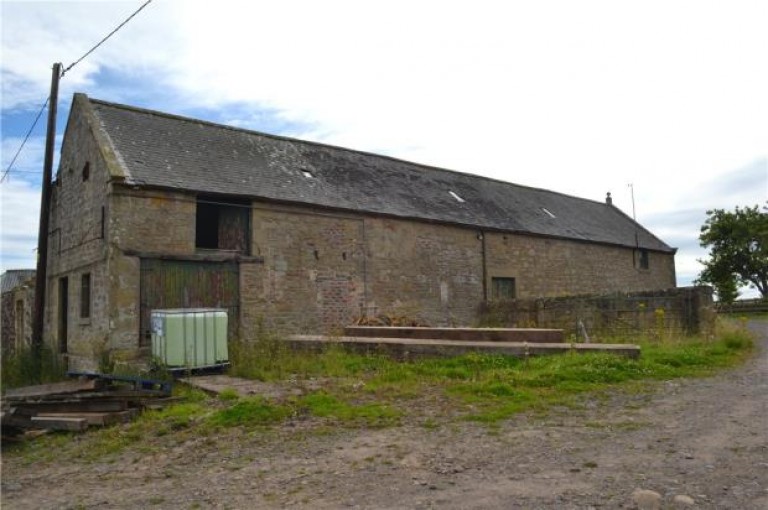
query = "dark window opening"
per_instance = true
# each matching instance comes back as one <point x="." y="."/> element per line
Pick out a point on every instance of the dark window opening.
<point x="85" y="296"/>
<point x="86" y="171"/>
<point x="63" y="313"/>
<point x="222" y="226"/>
<point x="503" y="289"/>
<point x="641" y="257"/>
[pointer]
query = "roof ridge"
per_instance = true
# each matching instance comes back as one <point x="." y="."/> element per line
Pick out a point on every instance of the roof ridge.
<point x="332" y="146"/>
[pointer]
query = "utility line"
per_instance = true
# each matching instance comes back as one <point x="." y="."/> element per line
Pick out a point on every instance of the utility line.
<point x="73" y="64"/>
<point x="32" y="127"/>
<point x="129" y="18"/>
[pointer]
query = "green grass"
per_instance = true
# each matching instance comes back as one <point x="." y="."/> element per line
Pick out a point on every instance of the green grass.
<point x="376" y="391"/>
<point x="371" y="414"/>
<point x="250" y="412"/>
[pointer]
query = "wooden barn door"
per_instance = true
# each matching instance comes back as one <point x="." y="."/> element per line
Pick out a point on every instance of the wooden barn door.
<point x="187" y="284"/>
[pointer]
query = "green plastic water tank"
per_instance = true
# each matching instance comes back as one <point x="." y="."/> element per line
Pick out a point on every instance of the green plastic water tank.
<point x="190" y="337"/>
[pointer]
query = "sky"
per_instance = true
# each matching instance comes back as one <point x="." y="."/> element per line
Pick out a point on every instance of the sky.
<point x="663" y="100"/>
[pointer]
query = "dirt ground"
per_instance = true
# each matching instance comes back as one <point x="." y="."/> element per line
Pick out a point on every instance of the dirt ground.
<point x="697" y="443"/>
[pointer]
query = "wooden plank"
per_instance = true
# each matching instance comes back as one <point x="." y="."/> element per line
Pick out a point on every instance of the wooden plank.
<point x="44" y="390"/>
<point x="70" y="424"/>
<point x="34" y="408"/>
<point x="98" y="419"/>
<point x="17" y="421"/>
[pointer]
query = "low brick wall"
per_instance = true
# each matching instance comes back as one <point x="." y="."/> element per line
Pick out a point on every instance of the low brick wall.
<point x="682" y="311"/>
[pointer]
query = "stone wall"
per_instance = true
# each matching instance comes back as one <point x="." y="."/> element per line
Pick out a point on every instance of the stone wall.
<point x="152" y="221"/>
<point x="650" y="314"/>
<point x="552" y="267"/>
<point x="322" y="269"/>
<point x="78" y="244"/>
<point x="313" y="275"/>
<point x="430" y="272"/>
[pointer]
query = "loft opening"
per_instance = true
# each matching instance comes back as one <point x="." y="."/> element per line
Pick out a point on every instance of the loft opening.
<point x="222" y="224"/>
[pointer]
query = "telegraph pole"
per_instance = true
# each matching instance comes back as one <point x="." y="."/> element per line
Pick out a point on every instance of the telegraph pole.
<point x="42" y="236"/>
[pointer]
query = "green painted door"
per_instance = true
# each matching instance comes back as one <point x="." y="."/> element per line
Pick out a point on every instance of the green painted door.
<point x="187" y="284"/>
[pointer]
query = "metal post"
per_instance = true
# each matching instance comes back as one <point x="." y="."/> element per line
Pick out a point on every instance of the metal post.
<point x="42" y="235"/>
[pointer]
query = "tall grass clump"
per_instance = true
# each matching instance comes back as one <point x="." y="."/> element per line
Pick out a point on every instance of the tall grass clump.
<point x="19" y="367"/>
<point x="266" y="357"/>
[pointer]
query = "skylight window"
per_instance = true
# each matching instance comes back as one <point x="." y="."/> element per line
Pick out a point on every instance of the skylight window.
<point x="548" y="212"/>
<point x="457" y="197"/>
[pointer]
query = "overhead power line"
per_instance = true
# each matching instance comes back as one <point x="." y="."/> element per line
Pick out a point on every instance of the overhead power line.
<point x="121" y="25"/>
<point x="70" y="66"/>
<point x="24" y="142"/>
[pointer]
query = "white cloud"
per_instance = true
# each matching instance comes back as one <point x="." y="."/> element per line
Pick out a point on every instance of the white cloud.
<point x="20" y="209"/>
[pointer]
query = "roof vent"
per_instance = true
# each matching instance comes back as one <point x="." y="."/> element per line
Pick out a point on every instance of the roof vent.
<point x="457" y="197"/>
<point x="548" y="212"/>
<point x="608" y="199"/>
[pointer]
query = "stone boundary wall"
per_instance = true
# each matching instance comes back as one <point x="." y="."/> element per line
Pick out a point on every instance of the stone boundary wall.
<point x="683" y="311"/>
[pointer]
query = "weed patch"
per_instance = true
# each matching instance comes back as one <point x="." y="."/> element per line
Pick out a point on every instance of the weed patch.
<point x="250" y="412"/>
<point x="324" y="405"/>
<point x="19" y="368"/>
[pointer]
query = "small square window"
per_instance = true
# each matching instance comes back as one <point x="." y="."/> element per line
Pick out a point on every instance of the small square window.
<point x="503" y="289"/>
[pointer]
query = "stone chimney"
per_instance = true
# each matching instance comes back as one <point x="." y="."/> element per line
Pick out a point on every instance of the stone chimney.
<point x="608" y="199"/>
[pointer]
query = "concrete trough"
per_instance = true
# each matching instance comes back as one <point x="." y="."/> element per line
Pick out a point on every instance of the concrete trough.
<point x="408" y="348"/>
<point x="529" y="335"/>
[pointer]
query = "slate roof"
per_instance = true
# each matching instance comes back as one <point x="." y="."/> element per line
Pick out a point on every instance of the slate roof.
<point x="12" y="278"/>
<point x="158" y="149"/>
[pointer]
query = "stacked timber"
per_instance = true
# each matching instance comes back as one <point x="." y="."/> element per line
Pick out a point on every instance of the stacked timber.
<point x="87" y="401"/>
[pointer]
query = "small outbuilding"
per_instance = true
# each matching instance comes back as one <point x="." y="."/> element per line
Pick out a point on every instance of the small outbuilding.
<point x="17" y="300"/>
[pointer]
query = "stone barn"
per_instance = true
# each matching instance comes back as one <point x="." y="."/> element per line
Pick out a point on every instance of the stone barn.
<point x="152" y="211"/>
<point x="18" y="300"/>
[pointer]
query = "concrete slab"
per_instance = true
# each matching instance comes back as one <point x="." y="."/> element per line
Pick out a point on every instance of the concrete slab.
<point x="530" y="335"/>
<point x="215" y="384"/>
<point x="405" y="348"/>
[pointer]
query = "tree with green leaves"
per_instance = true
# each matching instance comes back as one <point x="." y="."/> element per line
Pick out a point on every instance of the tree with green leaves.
<point x="738" y="251"/>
